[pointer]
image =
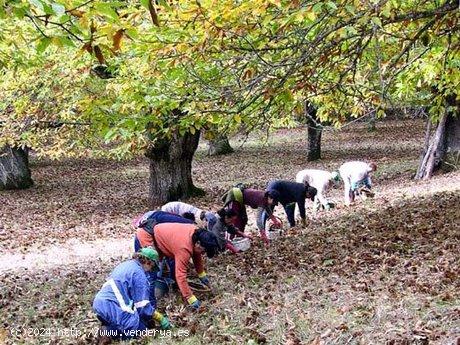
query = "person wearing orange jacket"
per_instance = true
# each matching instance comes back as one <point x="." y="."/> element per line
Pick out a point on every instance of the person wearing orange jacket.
<point x="183" y="242"/>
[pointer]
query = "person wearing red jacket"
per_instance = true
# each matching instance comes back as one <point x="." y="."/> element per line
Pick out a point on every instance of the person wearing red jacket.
<point x="239" y="197"/>
<point x="183" y="242"/>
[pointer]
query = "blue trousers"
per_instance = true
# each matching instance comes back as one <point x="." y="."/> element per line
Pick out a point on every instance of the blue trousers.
<point x="118" y="323"/>
<point x="152" y="276"/>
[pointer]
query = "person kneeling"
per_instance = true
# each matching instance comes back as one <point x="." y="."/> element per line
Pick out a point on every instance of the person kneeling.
<point x="123" y="304"/>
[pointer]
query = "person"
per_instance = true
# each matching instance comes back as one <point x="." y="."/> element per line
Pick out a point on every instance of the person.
<point x="182" y="242"/>
<point x="144" y="238"/>
<point x="289" y="194"/>
<point x="239" y="197"/>
<point x="224" y="227"/>
<point x="355" y="175"/>
<point x="182" y="208"/>
<point x="146" y="223"/>
<point x="322" y="180"/>
<point x="123" y="305"/>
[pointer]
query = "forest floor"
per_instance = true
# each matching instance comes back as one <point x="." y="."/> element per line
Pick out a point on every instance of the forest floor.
<point x="385" y="271"/>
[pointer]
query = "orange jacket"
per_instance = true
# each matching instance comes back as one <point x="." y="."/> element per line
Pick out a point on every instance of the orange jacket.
<point x="174" y="240"/>
<point x="144" y="238"/>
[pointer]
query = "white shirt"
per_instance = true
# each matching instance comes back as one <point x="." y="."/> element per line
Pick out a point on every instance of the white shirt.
<point x="320" y="179"/>
<point x="180" y="208"/>
<point x="354" y="171"/>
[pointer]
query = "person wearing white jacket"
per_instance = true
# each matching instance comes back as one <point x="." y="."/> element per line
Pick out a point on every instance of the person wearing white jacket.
<point x="355" y="175"/>
<point x="322" y="180"/>
<point x="181" y="208"/>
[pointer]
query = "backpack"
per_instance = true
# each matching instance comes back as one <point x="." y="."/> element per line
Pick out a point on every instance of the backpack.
<point x="234" y="194"/>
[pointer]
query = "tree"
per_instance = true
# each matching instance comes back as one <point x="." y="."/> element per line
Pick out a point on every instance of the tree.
<point x="315" y="130"/>
<point x="251" y="63"/>
<point x="442" y="150"/>
<point x="14" y="168"/>
<point x="171" y="167"/>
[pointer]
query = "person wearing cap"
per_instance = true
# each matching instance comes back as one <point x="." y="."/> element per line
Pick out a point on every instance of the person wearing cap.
<point x="146" y="223"/>
<point x="355" y="175"/>
<point x="289" y="194"/>
<point x="322" y="180"/>
<point x="224" y="228"/>
<point x="123" y="304"/>
<point x="238" y="198"/>
<point x="182" y="208"/>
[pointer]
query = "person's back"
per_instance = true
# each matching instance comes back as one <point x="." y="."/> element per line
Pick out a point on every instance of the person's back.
<point x="122" y="276"/>
<point x="354" y="171"/>
<point x="355" y="174"/>
<point x="179" y="208"/>
<point x="173" y="238"/>
<point x="322" y="180"/>
<point x="289" y="191"/>
<point x="254" y="198"/>
<point x="315" y="177"/>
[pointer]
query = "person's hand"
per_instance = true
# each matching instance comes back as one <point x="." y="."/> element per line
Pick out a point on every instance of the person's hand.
<point x="162" y="320"/>
<point x="264" y="238"/>
<point x="204" y="278"/>
<point x="277" y="223"/>
<point x="249" y="237"/>
<point x="194" y="302"/>
<point x="327" y="207"/>
<point x="164" y="323"/>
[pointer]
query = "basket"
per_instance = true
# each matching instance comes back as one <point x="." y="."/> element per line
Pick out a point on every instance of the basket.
<point x="198" y="288"/>
<point x="273" y="232"/>
<point x="242" y="243"/>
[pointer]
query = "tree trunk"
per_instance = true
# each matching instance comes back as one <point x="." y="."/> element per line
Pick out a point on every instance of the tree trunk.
<point x="443" y="150"/>
<point x="219" y="146"/>
<point x="372" y="120"/>
<point x="315" y="131"/>
<point x="171" y="169"/>
<point x="14" y="169"/>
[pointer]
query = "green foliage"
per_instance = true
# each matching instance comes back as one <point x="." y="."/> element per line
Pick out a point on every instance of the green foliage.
<point x="224" y="64"/>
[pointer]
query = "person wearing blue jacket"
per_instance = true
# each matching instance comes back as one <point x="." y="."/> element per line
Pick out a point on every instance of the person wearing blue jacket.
<point x="123" y="304"/>
<point x="144" y="238"/>
<point x="288" y="194"/>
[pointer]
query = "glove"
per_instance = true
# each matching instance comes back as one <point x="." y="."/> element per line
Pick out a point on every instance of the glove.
<point x="304" y="222"/>
<point x="264" y="238"/>
<point x="327" y="207"/>
<point x="249" y="237"/>
<point x="204" y="278"/>
<point x="162" y="320"/>
<point x="276" y="223"/>
<point x="194" y="302"/>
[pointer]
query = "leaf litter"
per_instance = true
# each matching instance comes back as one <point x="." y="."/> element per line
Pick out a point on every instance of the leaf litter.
<point x="384" y="271"/>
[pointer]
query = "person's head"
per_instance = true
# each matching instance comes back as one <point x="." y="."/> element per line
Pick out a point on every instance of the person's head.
<point x="203" y="215"/>
<point x="228" y="216"/>
<point x="188" y="215"/>
<point x="148" y="258"/>
<point x="373" y="166"/>
<point x="272" y="197"/>
<point x="310" y="192"/>
<point x="205" y="241"/>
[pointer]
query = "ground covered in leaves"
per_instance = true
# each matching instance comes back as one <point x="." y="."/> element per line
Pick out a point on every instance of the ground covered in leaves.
<point x="382" y="272"/>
